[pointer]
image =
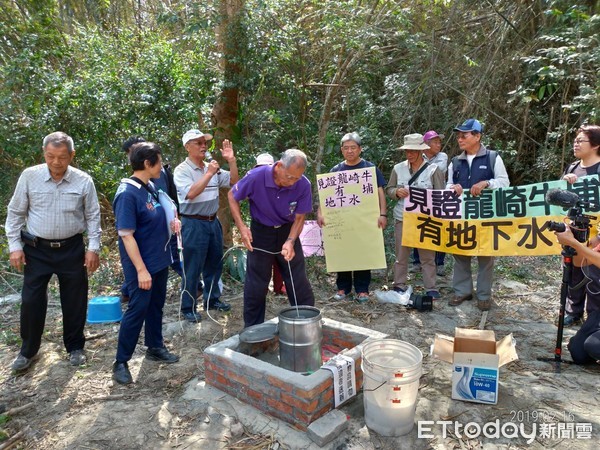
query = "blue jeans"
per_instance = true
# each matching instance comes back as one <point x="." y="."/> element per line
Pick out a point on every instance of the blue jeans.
<point x="585" y="345"/>
<point x="144" y="307"/>
<point x="202" y="255"/>
<point x="587" y="296"/>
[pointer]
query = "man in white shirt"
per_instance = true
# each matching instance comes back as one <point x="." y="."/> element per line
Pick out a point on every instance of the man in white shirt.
<point x="52" y="206"/>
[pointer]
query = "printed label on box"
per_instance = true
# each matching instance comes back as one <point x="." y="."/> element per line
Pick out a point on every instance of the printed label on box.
<point x="475" y="384"/>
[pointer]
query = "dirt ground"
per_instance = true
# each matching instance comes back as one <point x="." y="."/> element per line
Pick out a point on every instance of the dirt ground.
<point x="81" y="408"/>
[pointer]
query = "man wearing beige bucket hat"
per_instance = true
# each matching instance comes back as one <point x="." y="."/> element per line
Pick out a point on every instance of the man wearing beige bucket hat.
<point x="414" y="172"/>
<point x="433" y="155"/>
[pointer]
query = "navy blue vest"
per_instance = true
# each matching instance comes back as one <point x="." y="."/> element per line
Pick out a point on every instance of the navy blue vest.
<point x="480" y="170"/>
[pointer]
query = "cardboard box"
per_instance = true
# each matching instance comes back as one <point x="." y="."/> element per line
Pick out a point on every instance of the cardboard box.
<point x="476" y="358"/>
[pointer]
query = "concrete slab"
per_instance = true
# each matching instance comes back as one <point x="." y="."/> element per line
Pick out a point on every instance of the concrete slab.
<point x="328" y="427"/>
<point x="249" y="416"/>
<point x="252" y="419"/>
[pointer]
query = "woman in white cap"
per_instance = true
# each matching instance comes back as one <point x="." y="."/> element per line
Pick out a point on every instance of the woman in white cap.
<point x="414" y="172"/>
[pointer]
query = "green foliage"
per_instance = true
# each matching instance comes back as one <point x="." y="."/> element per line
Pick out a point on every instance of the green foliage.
<point x="104" y="70"/>
<point x="560" y="76"/>
<point x="9" y="337"/>
<point x="100" y="89"/>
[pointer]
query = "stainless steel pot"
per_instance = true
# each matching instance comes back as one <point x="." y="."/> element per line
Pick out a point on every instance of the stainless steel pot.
<point x="300" y="337"/>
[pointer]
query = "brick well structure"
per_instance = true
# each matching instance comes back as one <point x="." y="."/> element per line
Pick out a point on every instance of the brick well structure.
<point x="295" y="398"/>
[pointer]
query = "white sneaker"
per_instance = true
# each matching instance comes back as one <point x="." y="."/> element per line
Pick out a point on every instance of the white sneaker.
<point x="340" y="295"/>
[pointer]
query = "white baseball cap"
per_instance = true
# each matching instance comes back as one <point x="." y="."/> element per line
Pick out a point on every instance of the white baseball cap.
<point x="264" y="159"/>
<point x="195" y="134"/>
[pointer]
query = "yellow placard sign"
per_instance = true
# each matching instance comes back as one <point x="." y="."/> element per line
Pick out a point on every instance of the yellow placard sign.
<point x="507" y="237"/>
<point x="350" y="206"/>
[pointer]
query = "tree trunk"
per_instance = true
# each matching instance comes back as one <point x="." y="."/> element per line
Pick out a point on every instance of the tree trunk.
<point x="232" y="42"/>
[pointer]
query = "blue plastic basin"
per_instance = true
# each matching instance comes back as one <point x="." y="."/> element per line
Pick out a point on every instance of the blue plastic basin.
<point x="104" y="309"/>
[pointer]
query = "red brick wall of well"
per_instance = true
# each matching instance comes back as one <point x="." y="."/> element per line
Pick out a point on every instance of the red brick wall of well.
<point x="271" y="394"/>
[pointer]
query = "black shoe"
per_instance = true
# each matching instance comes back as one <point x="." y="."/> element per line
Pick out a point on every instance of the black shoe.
<point x="77" y="357"/>
<point x="571" y="320"/>
<point x="121" y="373"/>
<point x="192" y="317"/>
<point x="161" y="354"/>
<point x="218" y="305"/>
<point x="21" y="363"/>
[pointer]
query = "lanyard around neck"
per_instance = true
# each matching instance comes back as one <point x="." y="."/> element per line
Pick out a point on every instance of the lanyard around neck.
<point x="152" y="192"/>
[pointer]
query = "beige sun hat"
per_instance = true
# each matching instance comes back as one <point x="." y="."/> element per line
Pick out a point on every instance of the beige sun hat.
<point x="414" y="142"/>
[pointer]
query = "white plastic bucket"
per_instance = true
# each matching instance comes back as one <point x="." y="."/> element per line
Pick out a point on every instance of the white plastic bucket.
<point x="391" y="373"/>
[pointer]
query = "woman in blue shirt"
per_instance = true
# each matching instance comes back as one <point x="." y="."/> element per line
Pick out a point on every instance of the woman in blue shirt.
<point x="141" y="221"/>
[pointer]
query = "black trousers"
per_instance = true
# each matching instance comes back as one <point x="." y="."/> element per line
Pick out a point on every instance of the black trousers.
<point x="361" y="278"/>
<point x="259" y="268"/>
<point x="585" y="345"/>
<point x="587" y="297"/>
<point x="67" y="263"/>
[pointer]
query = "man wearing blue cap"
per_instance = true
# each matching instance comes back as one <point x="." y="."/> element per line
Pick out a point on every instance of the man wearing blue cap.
<point x="475" y="169"/>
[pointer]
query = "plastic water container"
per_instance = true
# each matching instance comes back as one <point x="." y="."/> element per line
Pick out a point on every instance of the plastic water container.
<point x="391" y="373"/>
<point x="104" y="310"/>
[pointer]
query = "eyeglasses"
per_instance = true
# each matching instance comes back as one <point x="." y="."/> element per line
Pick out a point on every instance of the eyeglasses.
<point x="463" y="135"/>
<point x="199" y="142"/>
<point x="579" y="141"/>
<point x="350" y="147"/>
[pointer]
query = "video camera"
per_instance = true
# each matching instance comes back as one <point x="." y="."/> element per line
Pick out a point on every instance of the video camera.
<point x="420" y="302"/>
<point x="580" y="222"/>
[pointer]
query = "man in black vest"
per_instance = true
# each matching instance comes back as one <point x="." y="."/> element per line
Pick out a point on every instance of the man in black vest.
<point x="475" y="169"/>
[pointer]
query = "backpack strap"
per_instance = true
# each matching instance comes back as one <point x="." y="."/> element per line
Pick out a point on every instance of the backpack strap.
<point x="171" y="188"/>
<point x="492" y="155"/>
<point x="572" y="167"/>
<point x="417" y="173"/>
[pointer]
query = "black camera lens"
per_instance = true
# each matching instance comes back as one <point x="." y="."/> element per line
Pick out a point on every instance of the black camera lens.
<point x="556" y="226"/>
<point x="420" y="302"/>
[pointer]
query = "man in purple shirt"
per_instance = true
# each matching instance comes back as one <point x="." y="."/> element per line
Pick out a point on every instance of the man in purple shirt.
<point x="279" y="196"/>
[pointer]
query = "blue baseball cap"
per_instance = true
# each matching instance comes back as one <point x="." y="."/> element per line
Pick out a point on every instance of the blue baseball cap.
<point x="470" y="125"/>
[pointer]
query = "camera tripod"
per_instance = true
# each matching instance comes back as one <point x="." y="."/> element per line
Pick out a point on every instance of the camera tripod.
<point x="567" y="253"/>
